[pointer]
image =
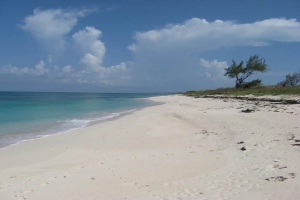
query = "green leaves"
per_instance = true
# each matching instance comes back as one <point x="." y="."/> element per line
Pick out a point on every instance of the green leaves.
<point x="256" y="64"/>
<point x="234" y="70"/>
<point x="253" y="65"/>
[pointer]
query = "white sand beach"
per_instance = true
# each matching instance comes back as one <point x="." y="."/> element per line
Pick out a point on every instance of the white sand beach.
<point x="187" y="148"/>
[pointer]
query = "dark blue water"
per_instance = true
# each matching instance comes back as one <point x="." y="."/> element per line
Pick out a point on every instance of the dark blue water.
<point x="26" y="115"/>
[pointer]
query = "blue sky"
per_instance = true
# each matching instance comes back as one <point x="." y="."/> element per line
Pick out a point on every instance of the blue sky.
<point x="142" y="46"/>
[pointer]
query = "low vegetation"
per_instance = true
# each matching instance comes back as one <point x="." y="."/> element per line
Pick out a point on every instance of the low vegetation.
<point x="257" y="91"/>
<point x="239" y="72"/>
<point x="291" y="80"/>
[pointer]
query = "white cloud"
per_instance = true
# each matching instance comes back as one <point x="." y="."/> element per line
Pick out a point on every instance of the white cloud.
<point x="213" y="64"/>
<point x="203" y="35"/>
<point x="114" y="75"/>
<point x="167" y="59"/>
<point x="52" y="25"/>
<point x="208" y="75"/>
<point x="13" y="70"/>
<point x="213" y="69"/>
<point x="38" y="70"/>
<point x="67" y="69"/>
<point x="87" y="40"/>
<point x="89" y="68"/>
<point x="171" y="54"/>
<point x="92" y="49"/>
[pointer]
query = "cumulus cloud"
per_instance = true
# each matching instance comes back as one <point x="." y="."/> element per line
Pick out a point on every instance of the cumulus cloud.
<point x="168" y="59"/>
<point x="89" y="43"/>
<point x="52" y="25"/>
<point x="38" y="70"/>
<point x="92" y="49"/>
<point x="112" y="76"/>
<point x="67" y="69"/>
<point x="174" y="53"/>
<point x="204" y="35"/>
<point x="213" y="69"/>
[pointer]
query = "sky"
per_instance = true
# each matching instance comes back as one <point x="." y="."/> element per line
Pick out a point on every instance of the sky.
<point x="141" y="45"/>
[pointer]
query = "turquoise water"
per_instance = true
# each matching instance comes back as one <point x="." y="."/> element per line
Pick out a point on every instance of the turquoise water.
<point x="27" y="115"/>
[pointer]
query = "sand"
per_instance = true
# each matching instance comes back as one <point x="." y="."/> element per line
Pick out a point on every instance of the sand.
<point x="187" y="148"/>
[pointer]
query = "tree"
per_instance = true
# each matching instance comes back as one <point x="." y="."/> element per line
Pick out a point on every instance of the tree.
<point x="291" y="80"/>
<point x="240" y="73"/>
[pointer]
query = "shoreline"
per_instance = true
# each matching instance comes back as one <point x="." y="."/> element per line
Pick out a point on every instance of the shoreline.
<point x="92" y="122"/>
<point x="101" y="117"/>
<point x="185" y="148"/>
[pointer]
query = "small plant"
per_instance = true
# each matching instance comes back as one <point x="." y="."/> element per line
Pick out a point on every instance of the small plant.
<point x="254" y="83"/>
<point x="290" y="80"/>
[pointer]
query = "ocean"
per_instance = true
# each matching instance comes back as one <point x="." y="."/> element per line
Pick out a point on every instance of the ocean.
<point x="30" y="115"/>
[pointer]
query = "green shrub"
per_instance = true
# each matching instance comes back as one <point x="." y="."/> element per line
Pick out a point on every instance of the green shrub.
<point x="290" y="80"/>
<point x="254" y="83"/>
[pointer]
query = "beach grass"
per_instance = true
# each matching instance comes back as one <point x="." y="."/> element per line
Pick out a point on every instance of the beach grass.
<point x="257" y="91"/>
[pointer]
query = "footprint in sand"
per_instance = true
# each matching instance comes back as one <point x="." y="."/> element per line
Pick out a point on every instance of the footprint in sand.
<point x="188" y="193"/>
<point x="44" y="184"/>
